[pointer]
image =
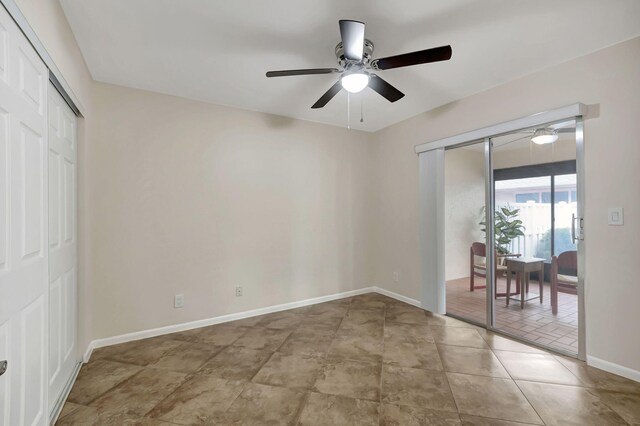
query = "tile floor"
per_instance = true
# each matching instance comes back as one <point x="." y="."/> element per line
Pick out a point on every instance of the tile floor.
<point x="367" y="360"/>
<point x="535" y="322"/>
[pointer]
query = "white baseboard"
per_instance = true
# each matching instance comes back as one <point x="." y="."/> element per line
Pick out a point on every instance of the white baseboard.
<point x="610" y="367"/>
<point x="397" y="296"/>
<point x="123" y="338"/>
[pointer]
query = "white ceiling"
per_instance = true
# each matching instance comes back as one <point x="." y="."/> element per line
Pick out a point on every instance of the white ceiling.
<point x="218" y="51"/>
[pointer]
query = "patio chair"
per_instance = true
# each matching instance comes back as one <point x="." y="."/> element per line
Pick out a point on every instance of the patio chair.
<point x="564" y="276"/>
<point x="480" y="269"/>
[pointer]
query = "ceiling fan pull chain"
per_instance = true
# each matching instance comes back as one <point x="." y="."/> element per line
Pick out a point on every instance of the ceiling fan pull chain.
<point x="348" y="111"/>
<point x="361" y="109"/>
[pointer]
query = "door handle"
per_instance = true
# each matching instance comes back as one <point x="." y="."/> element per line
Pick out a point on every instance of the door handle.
<point x="573" y="228"/>
<point x="3" y="367"/>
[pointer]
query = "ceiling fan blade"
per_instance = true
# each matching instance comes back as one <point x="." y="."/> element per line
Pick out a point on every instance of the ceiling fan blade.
<point x="385" y="89"/>
<point x="309" y="71"/>
<point x="442" y="53"/>
<point x="352" y="33"/>
<point x="329" y="94"/>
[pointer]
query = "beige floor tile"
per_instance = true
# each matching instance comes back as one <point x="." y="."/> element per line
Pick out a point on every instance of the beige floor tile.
<point x="445" y="321"/>
<point x="200" y="400"/>
<point x="349" y="327"/>
<point x="68" y="408"/>
<point x="406" y="315"/>
<point x="491" y="397"/>
<point x="568" y="405"/>
<point x="407" y="333"/>
<point x="139" y="394"/>
<point x="484" y="421"/>
<point x="187" y="358"/>
<point x="284" y="320"/>
<point x="481" y="362"/>
<point x="230" y="374"/>
<point x="329" y="309"/>
<point x="298" y="371"/>
<point x="414" y="355"/>
<point x="596" y="378"/>
<point x="145" y="421"/>
<point x="218" y="335"/>
<point x="81" y="415"/>
<point x="263" y="338"/>
<point x="354" y="379"/>
<point x="458" y="336"/>
<point x="627" y="405"/>
<point x="402" y="415"/>
<point x="416" y="388"/>
<point x="332" y="410"/>
<point x="97" y="377"/>
<point x="236" y="363"/>
<point x="362" y="348"/>
<point x="322" y="322"/>
<point x="536" y="367"/>
<point x="264" y="405"/>
<point x="362" y="315"/>
<point x="139" y="352"/>
<point x="503" y="344"/>
<point x="307" y="341"/>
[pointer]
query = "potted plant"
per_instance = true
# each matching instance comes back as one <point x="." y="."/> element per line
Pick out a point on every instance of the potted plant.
<point x="507" y="226"/>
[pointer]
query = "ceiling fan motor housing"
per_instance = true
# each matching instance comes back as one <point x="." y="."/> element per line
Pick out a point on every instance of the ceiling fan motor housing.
<point x="367" y="53"/>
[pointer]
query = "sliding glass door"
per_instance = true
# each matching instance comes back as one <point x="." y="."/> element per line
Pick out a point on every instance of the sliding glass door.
<point x="512" y="234"/>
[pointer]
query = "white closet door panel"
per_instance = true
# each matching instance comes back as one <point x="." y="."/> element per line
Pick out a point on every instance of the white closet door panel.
<point x="62" y="245"/>
<point x="23" y="229"/>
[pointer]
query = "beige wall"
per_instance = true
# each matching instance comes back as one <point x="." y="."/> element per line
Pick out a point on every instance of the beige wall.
<point x="607" y="79"/>
<point x="195" y="198"/>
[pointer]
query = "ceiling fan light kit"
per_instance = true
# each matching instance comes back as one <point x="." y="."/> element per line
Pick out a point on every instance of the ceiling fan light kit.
<point x="355" y="82"/>
<point x="544" y="136"/>
<point x="354" y="55"/>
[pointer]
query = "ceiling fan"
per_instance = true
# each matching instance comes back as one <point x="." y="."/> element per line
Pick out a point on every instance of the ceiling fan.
<point x="354" y="57"/>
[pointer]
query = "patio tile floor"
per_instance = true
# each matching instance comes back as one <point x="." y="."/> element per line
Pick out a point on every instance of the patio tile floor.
<point x="535" y="322"/>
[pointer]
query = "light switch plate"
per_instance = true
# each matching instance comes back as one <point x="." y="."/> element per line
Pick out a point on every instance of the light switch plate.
<point x="616" y="216"/>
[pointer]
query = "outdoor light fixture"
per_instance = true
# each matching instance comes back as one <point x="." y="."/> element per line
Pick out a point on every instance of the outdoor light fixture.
<point x="355" y="82"/>
<point x="544" y="136"/>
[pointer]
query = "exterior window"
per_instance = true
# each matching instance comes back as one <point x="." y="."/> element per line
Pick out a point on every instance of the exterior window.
<point x="527" y="196"/>
<point x="562" y="196"/>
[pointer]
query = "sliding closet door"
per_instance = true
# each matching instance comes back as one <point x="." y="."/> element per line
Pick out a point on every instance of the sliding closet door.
<point x="62" y="246"/>
<point x="23" y="230"/>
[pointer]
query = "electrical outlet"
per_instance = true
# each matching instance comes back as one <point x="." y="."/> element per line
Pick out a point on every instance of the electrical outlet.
<point x="396" y="277"/>
<point x="238" y="291"/>
<point x="178" y="301"/>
